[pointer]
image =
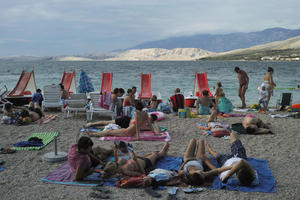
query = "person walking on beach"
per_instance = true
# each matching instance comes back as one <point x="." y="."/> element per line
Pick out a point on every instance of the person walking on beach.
<point x="243" y="84"/>
<point x="269" y="83"/>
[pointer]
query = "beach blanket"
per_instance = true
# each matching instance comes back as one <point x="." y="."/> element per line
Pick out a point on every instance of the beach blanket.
<point x="63" y="174"/>
<point x="203" y="131"/>
<point x="266" y="179"/>
<point x="46" y="119"/>
<point x="47" y="137"/>
<point x="279" y="115"/>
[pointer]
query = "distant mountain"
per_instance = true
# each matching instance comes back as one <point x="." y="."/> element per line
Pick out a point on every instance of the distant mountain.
<point x="287" y="50"/>
<point x="222" y="42"/>
<point x="162" y="54"/>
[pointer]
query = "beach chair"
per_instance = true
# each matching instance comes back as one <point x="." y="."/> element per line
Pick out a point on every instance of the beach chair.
<point x="285" y="100"/>
<point x="95" y="108"/>
<point x="76" y="103"/>
<point x="52" y="97"/>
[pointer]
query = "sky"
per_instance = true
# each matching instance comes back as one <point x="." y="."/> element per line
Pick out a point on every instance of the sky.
<point x="72" y="27"/>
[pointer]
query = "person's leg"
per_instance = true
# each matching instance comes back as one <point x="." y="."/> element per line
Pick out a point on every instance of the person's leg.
<point x="100" y="123"/>
<point x="243" y="92"/>
<point x="116" y="132"/>
<point x="211" y="151"/>
<point x="233" y="137"/>
<point x="190" y="150"/>
<point x="240" y="93"/>
<point x="237" y="148"/>
<point x="213" y="116"/>
<point x="200" y="149"/>
<point x="155" y="155"/>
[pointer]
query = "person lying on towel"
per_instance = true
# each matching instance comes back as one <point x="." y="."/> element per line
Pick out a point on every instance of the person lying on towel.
<point x="244" y="172"/>
<point x="192" y="169"/>
<point x="136" y="165"/>
<point x="141" y="121"/>
<point x="254" y="125"/>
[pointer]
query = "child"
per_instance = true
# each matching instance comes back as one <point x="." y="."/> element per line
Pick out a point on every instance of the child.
<point x="263" y="98"/>
<point x="203" y="104"/>
<point x="218" y="92"/>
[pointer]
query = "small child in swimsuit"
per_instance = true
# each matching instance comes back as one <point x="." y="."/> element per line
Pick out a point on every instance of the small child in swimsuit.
<point x="263" y="99"/>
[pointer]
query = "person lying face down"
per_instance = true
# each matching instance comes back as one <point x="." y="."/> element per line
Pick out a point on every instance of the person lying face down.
<point x="192" y="170"/>
<point x="237" y="160"/>
<point x="254" y="125"/>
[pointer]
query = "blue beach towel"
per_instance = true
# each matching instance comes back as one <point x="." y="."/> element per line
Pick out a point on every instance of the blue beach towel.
<point x="266" y="180"/>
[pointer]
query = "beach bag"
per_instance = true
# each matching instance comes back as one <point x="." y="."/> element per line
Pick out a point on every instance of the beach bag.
<point x="135" y="182"/>
<point x="254" y="106"/>
<point x="225" y="105"/>
<point x="181" y="113"/>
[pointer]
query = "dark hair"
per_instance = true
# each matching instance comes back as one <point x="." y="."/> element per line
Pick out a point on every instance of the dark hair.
<point x="250" y="129"/>
<point x="219" y="84"/>
<point x="39" y="90"/>
<point x="236" y="69"/>
<point x="116" y="90"/>
<point x="177" y="90"/>
<point x="205" y="93"/>
<point x="139" y="105"/>
<point x="84" y="142"/>
<point x="133" y="87"/>
<point x="154" y="117"/>
<point x="195" y="179"/>
<point x="24" y="113"/>
<point x="270" y="69"/>
<point x="245" y="176"/>
<point x="62" y="86"/>
<point x="7" y="106"/>
<point x="123" y="122"/>
<point x="129" y="91"/>
<point x="121" y="90"/>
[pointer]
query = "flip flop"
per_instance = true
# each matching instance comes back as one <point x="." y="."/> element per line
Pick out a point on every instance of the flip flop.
<point x="152" y="193"/>
<point x="7" y="150"/>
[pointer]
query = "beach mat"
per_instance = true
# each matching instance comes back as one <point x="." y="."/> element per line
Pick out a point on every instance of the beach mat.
<point x="266" y="180"/>
<point x="47" y="137"/>
<point x="63" y="174"/>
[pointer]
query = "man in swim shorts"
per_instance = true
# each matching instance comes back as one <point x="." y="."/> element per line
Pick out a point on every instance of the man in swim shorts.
<point x="243" y="84"/>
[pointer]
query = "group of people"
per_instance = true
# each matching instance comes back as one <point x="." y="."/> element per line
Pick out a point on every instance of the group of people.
<point x="196" y="168"/>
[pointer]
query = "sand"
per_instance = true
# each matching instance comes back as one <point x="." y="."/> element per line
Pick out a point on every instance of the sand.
<point x="23" y="169"/>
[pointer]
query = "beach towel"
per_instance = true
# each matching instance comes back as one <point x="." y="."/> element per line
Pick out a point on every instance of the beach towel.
<point x="47" y="137"/>
<point x="266" y="180"/>
<point x="203" y="131"/>
<point x="238" y="127"/>
<point x="46" y="119"/>
<point x="243" y="109"/>
<point x="104" y="100"/>
<point x="63" y="174"/>
<point x="230" y="115"/>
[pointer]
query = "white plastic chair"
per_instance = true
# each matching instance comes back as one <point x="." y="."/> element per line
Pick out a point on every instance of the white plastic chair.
<point x="76" y="103"/>
<point x="52" y="97"/>
<point x="94" y="108"/>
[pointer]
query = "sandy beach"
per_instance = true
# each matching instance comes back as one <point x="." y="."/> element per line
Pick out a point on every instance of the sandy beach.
<point x="24" y="169"/>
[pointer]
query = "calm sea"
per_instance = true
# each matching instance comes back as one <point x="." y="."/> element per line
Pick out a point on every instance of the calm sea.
<point x="166" y="75"/>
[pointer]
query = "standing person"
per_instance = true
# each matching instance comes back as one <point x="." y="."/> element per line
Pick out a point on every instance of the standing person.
<point x="269" y="83"/>
<point x="263" y="99"/>
<point x="218" y="92"/>
<point x="37" y="97"/>
<point x="243" y="84"/>
<point x="128" y="99"/>
<point x="133" y="93"/>
<point x="63" y="94"/>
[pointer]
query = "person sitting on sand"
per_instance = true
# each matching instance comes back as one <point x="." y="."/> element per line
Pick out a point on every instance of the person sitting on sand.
<point x="254" y="125"/>
<point x="237" y="160"/>
<point x="9" y="115"/>
<point x="140" y="122"/>
<point x="192" y="168"/>
<point x="81" y="159"/>
<point x="128" y="101"/>
<point x="176" y="101"/>
<point x="136" y="165"/>
<point x="37" y="97"/>
<point x="32" y="113"/>
<point x="203" y="104"/>
<point x="224" y="105"/>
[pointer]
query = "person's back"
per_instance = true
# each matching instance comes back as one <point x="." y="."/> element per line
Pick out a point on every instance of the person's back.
<point x="224" y="105"/>
<point x="203" y="104"/>
<point x="37" y="97"/>
<point x="177" y="100"/>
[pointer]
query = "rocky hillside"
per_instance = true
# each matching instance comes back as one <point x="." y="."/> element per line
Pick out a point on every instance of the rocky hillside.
<point x="287" y="50"/>
<point x="162" y="54"/>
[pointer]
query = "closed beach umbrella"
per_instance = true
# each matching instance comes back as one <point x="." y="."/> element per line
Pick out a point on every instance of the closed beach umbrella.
<point x="85" y="84"/>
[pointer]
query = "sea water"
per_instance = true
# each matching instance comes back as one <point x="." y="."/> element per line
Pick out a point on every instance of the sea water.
<point x="165" y="75"/>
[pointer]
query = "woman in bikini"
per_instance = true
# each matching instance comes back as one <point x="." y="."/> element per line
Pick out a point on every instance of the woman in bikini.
<point x="269" y="83"/>
<point x="128" y="99"/>
<point x="141" y="121"/>
<point x="136" y="165"/>
<point x="192" y="168"/>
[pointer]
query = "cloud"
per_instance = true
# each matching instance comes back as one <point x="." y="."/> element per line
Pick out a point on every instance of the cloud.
<point x="93" y="25"/>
